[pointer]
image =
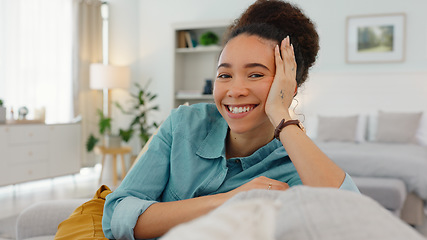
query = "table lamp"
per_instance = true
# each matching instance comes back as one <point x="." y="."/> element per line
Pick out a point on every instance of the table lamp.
<point x="106" y="77"/>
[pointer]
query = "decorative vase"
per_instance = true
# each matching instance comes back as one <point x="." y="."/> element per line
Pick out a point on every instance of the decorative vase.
<point x="112" y="141"/>
<point x="207" y="89"/>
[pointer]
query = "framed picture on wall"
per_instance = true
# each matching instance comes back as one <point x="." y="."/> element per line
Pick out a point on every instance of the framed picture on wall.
<point x="376" y="38"/>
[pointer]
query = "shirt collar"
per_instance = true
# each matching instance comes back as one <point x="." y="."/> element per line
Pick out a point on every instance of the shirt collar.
<point x="213" y="146"/>
<point x="262" y="153"/>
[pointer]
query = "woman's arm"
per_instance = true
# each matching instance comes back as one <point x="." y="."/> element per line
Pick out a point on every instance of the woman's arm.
<point x="161" y="217"/>
<point x="313" y="166"/>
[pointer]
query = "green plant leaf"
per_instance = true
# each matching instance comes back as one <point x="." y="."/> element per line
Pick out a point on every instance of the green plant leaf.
<point x="126" y="134"/>
<point x="104" y="123"/>
<point x="153" y="97"/>
<point x="91" y="142"/>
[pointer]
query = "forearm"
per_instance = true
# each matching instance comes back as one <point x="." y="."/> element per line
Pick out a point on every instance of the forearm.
<point x="312" y="165"/>
<point x="161" y="217"/>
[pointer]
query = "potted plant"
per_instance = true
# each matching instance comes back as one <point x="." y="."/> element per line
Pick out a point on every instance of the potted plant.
<point x="140" y="108"/>
<point x="104" y="125"/>
<point x="208" y="38"/>
<point x="2" y="112"/>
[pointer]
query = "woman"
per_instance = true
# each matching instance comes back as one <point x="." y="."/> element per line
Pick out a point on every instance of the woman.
<point x="205" y="154"/>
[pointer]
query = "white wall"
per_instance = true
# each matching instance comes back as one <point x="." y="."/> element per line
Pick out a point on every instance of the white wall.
<point x="145" y="28"/>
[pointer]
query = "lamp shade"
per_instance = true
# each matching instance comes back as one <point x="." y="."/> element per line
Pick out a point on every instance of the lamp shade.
<point x="108" y="76"/>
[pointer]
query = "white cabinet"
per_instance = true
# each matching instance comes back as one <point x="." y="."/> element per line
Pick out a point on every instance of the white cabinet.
<point x="36" y="151"/>
<point x="193" y="66"/>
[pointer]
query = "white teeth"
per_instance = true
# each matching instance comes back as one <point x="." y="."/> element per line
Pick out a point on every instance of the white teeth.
<point x="239" y="109"/>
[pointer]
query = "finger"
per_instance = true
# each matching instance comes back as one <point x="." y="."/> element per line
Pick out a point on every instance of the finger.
<point x="279" y="61"/>
<point x="288" y="54"/>
<point x="276" y="185"/>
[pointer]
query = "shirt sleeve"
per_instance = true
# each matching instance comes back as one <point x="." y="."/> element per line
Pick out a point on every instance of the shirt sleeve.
<point x="348" y="184"/>
<point x="142" y="186"/>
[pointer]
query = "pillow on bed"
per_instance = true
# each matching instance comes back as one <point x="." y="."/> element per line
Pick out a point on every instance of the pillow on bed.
<point x="344" y="128"/>
<point x="397" y="127"/>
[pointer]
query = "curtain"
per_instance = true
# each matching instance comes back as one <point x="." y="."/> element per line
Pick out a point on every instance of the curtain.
<point x="35" y="57"/>
<point x="87" y="49"/>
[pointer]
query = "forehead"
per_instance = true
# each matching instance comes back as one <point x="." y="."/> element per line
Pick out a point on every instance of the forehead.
<point x="245" y="48"/>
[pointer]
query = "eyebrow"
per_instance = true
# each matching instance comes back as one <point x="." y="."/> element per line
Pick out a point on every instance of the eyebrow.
<point x="249" y="65"/>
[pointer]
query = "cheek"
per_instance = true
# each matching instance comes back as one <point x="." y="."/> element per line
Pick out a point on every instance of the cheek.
<point x="264" y="88"/>
<point x="217" y="92"/>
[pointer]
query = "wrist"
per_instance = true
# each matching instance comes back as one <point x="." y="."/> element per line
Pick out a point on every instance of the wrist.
<point x="219" y="199"/>
<point x="276" y="117"/>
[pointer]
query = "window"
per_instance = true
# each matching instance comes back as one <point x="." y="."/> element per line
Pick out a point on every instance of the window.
<point x="36" y="57"/>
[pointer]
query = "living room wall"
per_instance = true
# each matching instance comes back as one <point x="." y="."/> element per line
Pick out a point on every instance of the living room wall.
<point x="148" y="42"/>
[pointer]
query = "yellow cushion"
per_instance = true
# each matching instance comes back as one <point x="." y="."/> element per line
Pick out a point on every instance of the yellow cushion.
<point x="86" y="221"/>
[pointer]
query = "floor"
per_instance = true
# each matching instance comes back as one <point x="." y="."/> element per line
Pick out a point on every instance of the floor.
<point x="13" y="199"/>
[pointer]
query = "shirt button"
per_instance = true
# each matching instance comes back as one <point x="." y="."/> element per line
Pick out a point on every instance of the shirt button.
<point x="237" y="161"/>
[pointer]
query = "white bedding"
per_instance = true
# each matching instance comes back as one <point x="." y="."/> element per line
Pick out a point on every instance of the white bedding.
<point x="407" y="162"/>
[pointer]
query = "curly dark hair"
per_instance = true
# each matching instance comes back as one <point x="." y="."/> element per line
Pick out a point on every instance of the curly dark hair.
<point x="274" y="20"/>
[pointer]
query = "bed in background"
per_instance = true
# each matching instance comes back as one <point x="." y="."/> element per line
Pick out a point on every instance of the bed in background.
<point x="386" y="145"/>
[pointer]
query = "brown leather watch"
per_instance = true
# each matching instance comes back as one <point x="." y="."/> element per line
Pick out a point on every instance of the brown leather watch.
<point x="283" y="124"/>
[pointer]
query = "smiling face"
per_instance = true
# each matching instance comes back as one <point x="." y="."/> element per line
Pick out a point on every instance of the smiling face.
<point x="246" y="70"/>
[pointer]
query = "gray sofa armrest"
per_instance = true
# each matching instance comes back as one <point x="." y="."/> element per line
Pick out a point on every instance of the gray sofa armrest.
<point x="43" y="218"/>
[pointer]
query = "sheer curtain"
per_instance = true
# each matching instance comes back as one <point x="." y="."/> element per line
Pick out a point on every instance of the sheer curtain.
<point x="87" y="35"/>
<point x="36" y="57"/>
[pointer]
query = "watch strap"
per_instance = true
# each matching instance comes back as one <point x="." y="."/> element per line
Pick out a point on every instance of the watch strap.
<point x="285" y="123"/>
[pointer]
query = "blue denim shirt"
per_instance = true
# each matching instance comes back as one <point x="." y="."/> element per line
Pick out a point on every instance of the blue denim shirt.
<point x="186" y="159"/>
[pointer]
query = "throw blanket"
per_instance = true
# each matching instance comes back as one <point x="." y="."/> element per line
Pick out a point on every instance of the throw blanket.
<point x="297" y="213"/>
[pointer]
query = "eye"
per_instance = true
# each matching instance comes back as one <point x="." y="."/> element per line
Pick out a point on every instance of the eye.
<point x="256" y="75"/>
<point x="223" y="76"/>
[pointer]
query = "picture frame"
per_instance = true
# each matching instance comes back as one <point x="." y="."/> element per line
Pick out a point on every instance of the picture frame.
<point x="375" y="38"/>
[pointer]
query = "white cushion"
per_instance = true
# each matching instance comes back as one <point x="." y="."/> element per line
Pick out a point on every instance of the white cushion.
<point x="396" y="127"/>
<point x="339" y="128"/>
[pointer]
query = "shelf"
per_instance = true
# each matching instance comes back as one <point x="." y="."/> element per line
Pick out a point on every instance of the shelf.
<point x="199" y="49"/>
<point x="193" y="66"/>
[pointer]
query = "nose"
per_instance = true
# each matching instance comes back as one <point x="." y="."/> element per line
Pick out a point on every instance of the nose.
<point x="238" y="88"/>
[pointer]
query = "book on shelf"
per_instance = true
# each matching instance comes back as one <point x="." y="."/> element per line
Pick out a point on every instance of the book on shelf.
<point x="189" y="40"/>
<point x="186" y="39"/>
<point x="182" y="42"/>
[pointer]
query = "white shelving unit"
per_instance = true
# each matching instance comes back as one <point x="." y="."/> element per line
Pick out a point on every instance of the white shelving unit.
<point x="193" y="66"/>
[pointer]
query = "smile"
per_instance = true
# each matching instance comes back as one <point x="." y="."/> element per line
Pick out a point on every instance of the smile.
<point x="240" y="109"/>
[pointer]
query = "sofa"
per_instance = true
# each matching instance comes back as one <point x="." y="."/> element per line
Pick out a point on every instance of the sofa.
<point x="299" y="213"/>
